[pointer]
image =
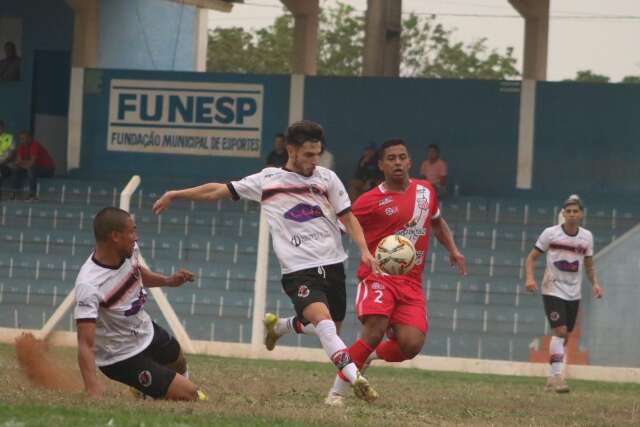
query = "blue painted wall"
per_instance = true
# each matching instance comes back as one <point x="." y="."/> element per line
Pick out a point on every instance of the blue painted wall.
<point x="474" y="122"/>
<point x="147" y="34"/>
<point x="97" y="162"/>
<point x="587" y="138"/>
<point x="46" y="25"/>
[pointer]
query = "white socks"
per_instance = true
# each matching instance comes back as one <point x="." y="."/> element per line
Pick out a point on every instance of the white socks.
<point x="285" y="326"/>
<point x="556" y="351"/>
<point x="336" y="349"/>
<point x="341" y="386"/>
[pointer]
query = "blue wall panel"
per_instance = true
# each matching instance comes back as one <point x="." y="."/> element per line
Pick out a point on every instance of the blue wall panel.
<point x="97" y="162"/>
<point x="587" y="138"/>
<point x="147" y="34"/>
<point x="474" y="122"/>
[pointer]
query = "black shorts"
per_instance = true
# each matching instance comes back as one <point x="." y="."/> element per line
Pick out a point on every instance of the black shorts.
<point x="320" y="284"/>
<point x="146" y="371"/>
<point x="561" y="312"/>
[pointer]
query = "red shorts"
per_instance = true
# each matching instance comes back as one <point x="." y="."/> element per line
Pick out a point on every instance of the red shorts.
<point x="396" y="297"/>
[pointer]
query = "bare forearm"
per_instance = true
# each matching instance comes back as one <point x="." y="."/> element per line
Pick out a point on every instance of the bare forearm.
<point x="443" y="233"/>
<point x="590" y="270"/>
<point x="153" y="280"/>
<point x="354" y="229"/>
<point x="87" y="364"/>
<point x="529" y="267"/>
<point x="210" y="192"/>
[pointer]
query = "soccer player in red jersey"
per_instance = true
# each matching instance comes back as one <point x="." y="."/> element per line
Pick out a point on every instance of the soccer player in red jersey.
<point x="395" y="305"/>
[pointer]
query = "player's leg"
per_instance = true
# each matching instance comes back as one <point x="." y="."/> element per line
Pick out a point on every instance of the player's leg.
<point x="165" y="350"/>
<point x="334" y="278"/>
<point x="556" y="312"/>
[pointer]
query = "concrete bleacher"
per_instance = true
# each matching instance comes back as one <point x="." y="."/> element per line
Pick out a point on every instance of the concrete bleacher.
<point x="487" y="314"/>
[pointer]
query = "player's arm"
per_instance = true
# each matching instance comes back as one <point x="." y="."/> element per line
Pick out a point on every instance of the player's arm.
<point x="354" y="229"/>
<point x="443" y="233"/>
<point x="154" y="280"/>
<point x="590" y="269"/>
<point x="86" y="358"/>
<point x="529" y="265"/>
<point x="206" y="192"/>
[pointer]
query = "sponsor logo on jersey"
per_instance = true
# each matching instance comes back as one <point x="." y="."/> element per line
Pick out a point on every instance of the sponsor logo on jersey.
<point x="390" y="211"/>
<point x="419" y="257"/>
<point x="145" y="379"/>
<point x="377" y="285"/>
<point x="303" y="291"/>
<point x="412" y="233"/>
<point x="303" y="212"/>
<point x="300" y="238"/>
<point x="569" y="267"/>
<point x="385" y="201"/>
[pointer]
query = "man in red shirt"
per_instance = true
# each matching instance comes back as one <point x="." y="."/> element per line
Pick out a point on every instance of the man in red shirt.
<point x="395" y="305"/>
<point x="32" y="161"/>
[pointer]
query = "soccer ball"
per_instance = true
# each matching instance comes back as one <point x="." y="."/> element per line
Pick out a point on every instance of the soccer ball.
<point x="395" y="255"/>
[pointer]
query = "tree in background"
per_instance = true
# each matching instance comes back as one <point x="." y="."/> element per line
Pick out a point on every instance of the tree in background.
<point x="631" y="79"/>
<point x="588" y="76"/>
<point x="428" y="49"/>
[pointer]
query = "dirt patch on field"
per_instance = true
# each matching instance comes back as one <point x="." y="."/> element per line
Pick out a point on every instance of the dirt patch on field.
<point x="42" y="368"/>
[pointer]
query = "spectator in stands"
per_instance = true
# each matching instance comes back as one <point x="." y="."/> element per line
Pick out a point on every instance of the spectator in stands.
<point x="434" y="170"/>
<point x="7" y="153"/>
<point x="367" y="173"/>
<point x="10" y="65"/>
<point x="278" y="156"/>
<point x="33" y="161"/>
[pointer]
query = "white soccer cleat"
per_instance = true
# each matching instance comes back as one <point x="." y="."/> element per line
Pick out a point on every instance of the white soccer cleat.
<point x="363" y="390"/>
<point x="334" y="399"/>
<point x="270" y="335"/>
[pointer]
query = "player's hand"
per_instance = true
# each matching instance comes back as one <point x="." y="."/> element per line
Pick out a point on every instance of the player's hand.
<point x="180" y="277"/>
<point x="456" y="259"/>
<point x="162" y="204"/>
<point x="531" y="286"/>
<point x="371" y="262"/>
<point x="95" y="391"/>
<point x="597" y="290"/>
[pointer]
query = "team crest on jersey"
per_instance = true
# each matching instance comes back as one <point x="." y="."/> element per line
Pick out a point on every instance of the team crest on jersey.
<point x="391" y="210"/>
<point x="303" y="291"/>
<point x="385" y="201"/>
<point x="145" y="379"/>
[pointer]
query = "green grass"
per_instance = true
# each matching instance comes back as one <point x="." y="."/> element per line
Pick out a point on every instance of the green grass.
<point x="270" y="393"/>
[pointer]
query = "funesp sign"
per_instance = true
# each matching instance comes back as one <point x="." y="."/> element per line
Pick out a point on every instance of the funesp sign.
<point x="205" y="119"/>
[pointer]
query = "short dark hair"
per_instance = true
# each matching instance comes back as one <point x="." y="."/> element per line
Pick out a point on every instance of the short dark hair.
<point x="108" y="220"/>
<point x="435" y="147"/>
<point x="279" y="135"/>
<point x="305" y="130"/>
<point x="390" y="143"/>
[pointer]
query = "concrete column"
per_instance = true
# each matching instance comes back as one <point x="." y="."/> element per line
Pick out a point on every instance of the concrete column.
<point x="305" y="41"/>
<point x="85" y="32"/>
<point x="536" y="37"/>
<point x="383" y="27"/>
<point x="201" y="36"/>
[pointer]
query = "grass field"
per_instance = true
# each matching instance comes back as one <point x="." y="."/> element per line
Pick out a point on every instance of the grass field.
<point x="270" y="393"/>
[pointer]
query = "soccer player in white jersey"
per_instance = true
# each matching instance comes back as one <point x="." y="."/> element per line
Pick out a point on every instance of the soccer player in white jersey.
<point x="569" y="250"/>
<point x="303" y="203"/>
<point x="114" y="331"/>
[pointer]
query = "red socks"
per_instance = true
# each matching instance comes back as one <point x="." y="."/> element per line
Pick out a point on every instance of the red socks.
<point x="359" y="352"/>
<point x="390" y="351"/>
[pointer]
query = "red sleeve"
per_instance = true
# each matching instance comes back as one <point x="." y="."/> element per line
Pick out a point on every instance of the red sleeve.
<point x="359" y="208"/>
<point x="34" y="151"/>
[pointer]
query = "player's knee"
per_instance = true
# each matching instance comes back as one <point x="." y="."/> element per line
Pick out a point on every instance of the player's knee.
<point x="561" y="331"/>
<point x="411" y="348"/>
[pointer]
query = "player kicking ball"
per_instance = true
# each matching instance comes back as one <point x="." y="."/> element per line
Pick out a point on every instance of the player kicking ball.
<point x="395" y="304"/>
<point x="303" y="203"/>
<point x="114" y="331"/>
<point x="569" y="250"/>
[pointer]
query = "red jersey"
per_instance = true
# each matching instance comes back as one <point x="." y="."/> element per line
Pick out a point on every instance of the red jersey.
<point x="38" y="152"/>
<point x="407" y="213"/>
